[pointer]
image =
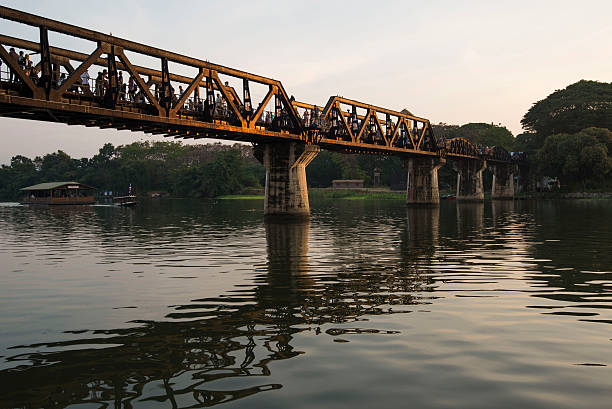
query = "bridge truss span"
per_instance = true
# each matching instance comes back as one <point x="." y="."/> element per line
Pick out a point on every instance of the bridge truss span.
<point x="345" y="124"/>
<point x="459" y="147"/>
<point x="183" y="97"/>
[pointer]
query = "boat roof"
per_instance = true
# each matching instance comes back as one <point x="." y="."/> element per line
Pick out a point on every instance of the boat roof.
<point x="55" y="185"/>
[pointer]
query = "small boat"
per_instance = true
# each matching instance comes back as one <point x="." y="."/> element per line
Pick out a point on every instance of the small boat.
<point x="129" y="200"/>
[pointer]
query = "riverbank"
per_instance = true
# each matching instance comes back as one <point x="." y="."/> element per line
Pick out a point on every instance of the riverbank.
<point x="563" y="195"/>
<point x="387" y="194"/>
<point x="329" y="193"/>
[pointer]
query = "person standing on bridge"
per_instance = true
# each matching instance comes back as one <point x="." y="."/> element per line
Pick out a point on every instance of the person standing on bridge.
<point x="99" y="84"/>
<point x="15" y="58"/>
<point x="132" y="89"/>
<point x="105" y="83"/>
<point x="28" y="62"/>
<point x="85" y="81"/>
<point x="21" y="60"/>
<point x="219" y="105"/>
<point x="60" y="80"/>
<point x="120" y="85"/>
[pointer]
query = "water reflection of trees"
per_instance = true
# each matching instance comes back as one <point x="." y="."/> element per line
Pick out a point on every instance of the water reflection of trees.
<point x="183" y="360"/>
<point x="572" y="248"/>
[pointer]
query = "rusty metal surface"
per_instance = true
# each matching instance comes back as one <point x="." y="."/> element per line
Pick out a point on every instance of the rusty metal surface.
<point x="151" y="105"/>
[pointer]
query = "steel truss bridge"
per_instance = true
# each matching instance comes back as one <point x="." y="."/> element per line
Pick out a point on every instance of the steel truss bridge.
<point x="215" y="102"/>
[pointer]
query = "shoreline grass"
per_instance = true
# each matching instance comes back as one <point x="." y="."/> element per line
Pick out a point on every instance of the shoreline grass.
<point x="358" y="194"/>
<point x="365" y="194"/>
<point x="240" y="197"/>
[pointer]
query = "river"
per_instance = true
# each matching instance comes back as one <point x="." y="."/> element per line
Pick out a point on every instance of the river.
<point x="187" y="303"/>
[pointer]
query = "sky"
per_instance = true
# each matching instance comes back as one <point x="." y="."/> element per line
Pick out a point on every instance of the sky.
<point x="448" y="61"/>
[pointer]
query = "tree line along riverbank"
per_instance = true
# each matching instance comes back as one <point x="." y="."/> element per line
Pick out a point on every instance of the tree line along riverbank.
<point x="568" y="136"/>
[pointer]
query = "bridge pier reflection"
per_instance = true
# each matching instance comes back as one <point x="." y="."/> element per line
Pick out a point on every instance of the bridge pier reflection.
<point x="287" y="245"/>
<point x="423" y="226"/>
<point x="420" y="241"/>
<point x="500" y="209"/>
<point x="470" y="218"/>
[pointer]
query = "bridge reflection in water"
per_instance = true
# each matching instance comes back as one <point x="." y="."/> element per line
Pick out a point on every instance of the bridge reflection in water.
<point x="180" y="361"/>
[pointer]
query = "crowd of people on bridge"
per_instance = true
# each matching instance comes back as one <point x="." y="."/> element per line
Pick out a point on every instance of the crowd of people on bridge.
<point x="518" y="156"/>
<point x="463" y="146"/>
<point x="129" y="91"/>
<point x="25" y="63"/>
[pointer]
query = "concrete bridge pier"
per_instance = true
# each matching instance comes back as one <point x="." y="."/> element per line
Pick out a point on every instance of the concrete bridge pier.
<point x="503" y="181"/>
<point x="469" y="179"/>
<point x="286" y="188"/>
<point x="422" y="186"/>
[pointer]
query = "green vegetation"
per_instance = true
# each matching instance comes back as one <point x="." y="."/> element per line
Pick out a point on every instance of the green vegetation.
<point x="181" y="170"/>
<point x="359" y="194"/>
<point x="581" y="105"/>
<point x="241" y="197"/>
<point x="569" y="136"/>
<point x="477" y="133"/>
<point x="581" y="159"/>
<point x="372" y="169"/>
<point x="378" y="196"/>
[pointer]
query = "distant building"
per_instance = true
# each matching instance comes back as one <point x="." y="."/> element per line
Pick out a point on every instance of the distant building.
<point x="347" y="184"/>
<point x="547" y="184"/>
<point x="58" y="193"/>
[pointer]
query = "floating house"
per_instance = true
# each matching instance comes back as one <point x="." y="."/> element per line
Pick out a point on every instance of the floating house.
<point x="58" y="193"/>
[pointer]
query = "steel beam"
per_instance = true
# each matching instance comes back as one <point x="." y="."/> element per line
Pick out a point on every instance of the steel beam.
<point x="45" y="62"/>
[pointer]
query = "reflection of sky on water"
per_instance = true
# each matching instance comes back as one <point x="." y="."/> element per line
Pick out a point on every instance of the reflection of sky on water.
<point x="189" y="304"/>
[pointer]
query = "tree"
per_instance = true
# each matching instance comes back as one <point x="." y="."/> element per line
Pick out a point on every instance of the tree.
<point x="580" y="159"/>
<point x="580" y="105"/>
<point x="20" y="173"/>
<point x="58" y="166"/>
<point x="444" y="130"/>
<point x="487" y="135"/>
<point x="528" y="142"/>
<point x="478" y="133"/>
<point x="323" y="169"/>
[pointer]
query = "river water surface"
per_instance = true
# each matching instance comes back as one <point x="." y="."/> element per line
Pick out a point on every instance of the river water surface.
<point x="186" y="304"/>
